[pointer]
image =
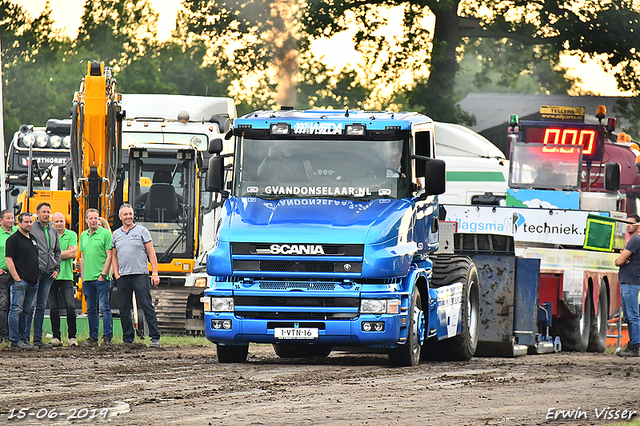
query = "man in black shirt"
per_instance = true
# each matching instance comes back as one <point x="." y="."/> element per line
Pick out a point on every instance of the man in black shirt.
<point x="22" y="262"/>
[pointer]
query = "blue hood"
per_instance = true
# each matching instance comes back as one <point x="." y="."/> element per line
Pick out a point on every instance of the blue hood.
<point x="313" y="220"/>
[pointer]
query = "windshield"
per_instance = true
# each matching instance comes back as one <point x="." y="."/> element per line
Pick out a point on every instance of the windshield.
<point x="163" y="201"/>
<point x="320" y="168"/>
<point x="539" y="166"/>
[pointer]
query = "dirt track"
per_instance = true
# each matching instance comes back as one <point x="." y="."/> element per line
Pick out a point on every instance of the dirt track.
<point x="186" y="385"/>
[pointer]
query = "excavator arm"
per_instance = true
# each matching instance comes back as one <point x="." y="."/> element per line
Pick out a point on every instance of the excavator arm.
<point x="96" y="134"/>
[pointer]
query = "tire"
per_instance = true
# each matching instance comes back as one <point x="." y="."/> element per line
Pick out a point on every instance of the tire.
<point x="232" y="354"/>
<point x="574" y="331"/>
<point x="284" y="350"/>
<point x="450" y="269"/>
<point x="598" y="331"/>
<point x="408" y="355"/>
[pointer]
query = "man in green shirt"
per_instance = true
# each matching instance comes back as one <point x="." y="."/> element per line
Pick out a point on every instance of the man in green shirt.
<point x="7" y="227"/>
<point x="61" y="294"/>
<point x="95" y="263"/>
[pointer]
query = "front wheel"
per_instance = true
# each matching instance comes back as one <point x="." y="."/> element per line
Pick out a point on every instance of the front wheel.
<point x="408" y="355"/>
<point x="451" y="269"/>
<point x="232" y="354"/>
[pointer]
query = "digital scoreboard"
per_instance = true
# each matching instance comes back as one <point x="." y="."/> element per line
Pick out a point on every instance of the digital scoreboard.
<point x="560" y="136"/>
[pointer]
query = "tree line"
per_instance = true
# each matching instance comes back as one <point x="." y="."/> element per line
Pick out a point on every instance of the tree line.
<point x="260" y="52"/>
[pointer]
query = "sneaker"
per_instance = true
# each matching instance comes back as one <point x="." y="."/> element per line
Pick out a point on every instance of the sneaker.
<point x="90" y="342"/>
<point x="629" y="351"/>
<point x="41" y="345"/>
<point x="72" y="342"/>
<point x="55" y="342"/>
<point x="106" y="341"/>
<point x="155" y="343"/>
<point x="23" y="345"/>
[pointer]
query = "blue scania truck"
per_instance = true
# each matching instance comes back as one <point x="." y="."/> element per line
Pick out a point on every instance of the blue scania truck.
<point x="327" y="240"/>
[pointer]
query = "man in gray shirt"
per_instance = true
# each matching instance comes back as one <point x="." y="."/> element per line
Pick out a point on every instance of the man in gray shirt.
<point x="132" y="248"/>
<point x="49" y="257"/>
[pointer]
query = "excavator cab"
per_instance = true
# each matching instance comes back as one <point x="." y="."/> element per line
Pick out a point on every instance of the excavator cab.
<point x="167" y="207"/>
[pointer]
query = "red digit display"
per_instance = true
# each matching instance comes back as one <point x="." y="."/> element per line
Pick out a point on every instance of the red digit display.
<point x="559" y="138"/>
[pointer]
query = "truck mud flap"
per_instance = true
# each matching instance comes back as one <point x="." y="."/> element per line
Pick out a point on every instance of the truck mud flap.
<point x="508" y="304"/>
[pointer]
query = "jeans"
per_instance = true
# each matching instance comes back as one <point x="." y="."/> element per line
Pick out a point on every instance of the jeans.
<point x="97" y="294"/>
<point x="5" y="302"/>
<point x="127" y="285"/>
<point x="629" y="293"/>
<point x="44" y="285"/>
<point x="22" y="297"/>
<point x="61" y="297"/>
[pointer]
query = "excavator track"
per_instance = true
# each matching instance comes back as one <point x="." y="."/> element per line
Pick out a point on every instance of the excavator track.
<point x="171" y="309"/>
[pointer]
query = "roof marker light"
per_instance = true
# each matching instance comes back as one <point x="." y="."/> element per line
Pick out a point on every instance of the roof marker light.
<point x="280" y="128"/>
<point x="355" y="129"/>
<point x="183" y="116"/>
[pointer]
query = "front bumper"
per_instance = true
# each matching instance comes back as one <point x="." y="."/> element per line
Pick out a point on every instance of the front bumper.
<point x="330" y="332"/>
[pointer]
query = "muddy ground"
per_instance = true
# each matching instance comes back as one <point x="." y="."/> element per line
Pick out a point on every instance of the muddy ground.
<point x="187" y="386"/>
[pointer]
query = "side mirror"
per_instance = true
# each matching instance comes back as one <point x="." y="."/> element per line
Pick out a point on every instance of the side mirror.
<point x="215" y="175"/>
<point x="215" y="146"/>
<point x="434" y="173"/>
<point x="223" y="122"/>
<point x="612" y="176"/>
<point x="435" y="177"/>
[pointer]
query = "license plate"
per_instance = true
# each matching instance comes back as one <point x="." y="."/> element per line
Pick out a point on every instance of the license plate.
<point x="296" y="333"/>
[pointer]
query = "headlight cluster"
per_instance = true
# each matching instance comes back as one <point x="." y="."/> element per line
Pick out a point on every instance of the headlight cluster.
<point x="217" y="304"/>
<point x="43" y="140"/>
<point x="380" y="306"/>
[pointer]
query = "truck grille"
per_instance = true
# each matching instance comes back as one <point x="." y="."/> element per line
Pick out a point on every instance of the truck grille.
<point x="244" y="305"/>
<point x="297" y="315"/>
<point x="296" y="266"/>
<point x="275" y="301"/>
<point x="288" y="285"/>
<point x="287" y="265"/>
<point x="329" y="249"/>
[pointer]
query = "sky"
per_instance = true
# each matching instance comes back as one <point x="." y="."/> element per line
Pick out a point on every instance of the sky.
<point x="67" y="14"/>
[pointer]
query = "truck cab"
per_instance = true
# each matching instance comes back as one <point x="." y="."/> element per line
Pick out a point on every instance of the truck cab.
<point x="325" y="236"/>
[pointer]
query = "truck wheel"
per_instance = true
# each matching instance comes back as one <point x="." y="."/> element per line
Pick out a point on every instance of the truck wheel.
<point x="232" y="354"/>
<point x="450" y="269"/>
<point x="598" y="332"/>
<point x="574" y="331"/>
<point x="284" y="350"/>
<point x="408" y="355"/>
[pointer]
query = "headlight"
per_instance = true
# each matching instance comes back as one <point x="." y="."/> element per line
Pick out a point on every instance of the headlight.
<point x="29" y="139"/>
<point x="380" y="306"/>
<point x="66" y="142"/>
<point x="198" y="143"/>
<point x="222" y="304"/>
<point x="55" y="141"/>
<point x="41" y="140"/>
<point x="201" y="282"/>
<point x="373" y="306"/>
